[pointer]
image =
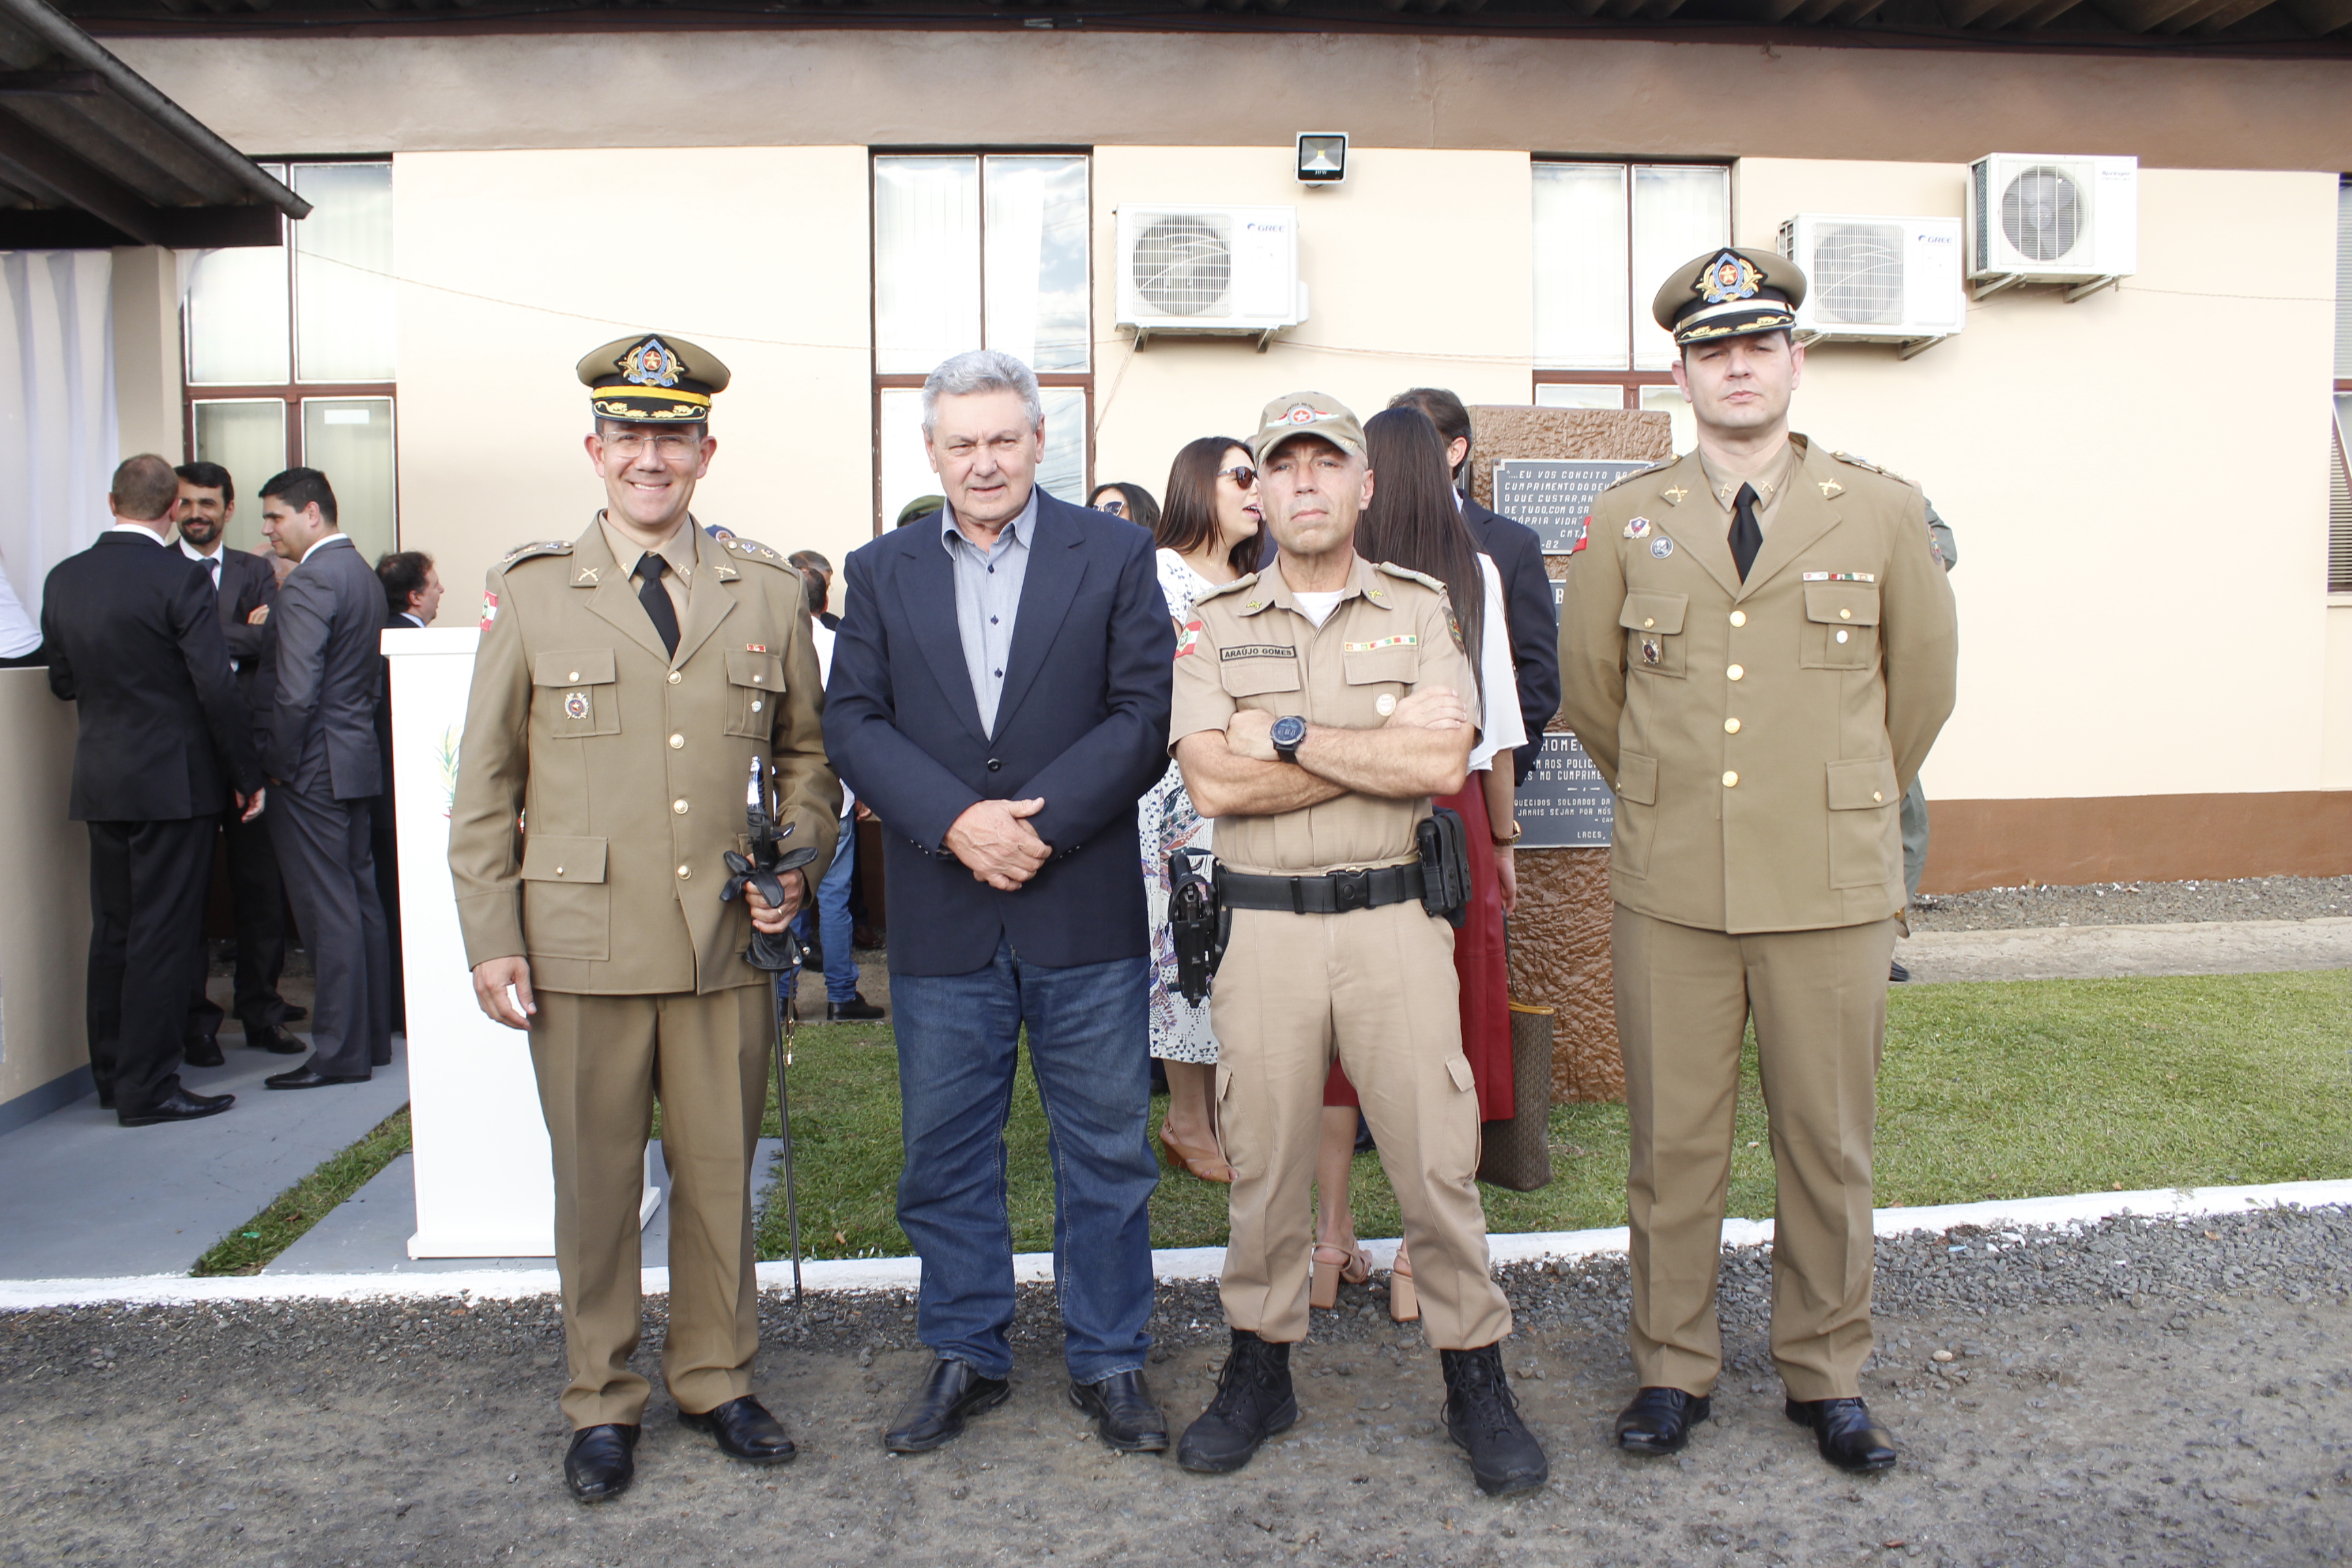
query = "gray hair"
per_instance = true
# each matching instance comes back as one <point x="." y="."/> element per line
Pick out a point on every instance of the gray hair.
<point x="981" y="370"/>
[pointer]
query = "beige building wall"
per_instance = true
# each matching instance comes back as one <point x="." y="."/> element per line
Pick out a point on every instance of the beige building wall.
<point x="513" y="265"/>
<point x="2135" y="482"/>
<point x="2335" y="766"/>
<point x="1417" y="268"/>
<point x="45" y="919"/>
<point x="145" y="301"/>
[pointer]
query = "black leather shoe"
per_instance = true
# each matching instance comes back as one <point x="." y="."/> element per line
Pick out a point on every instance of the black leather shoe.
<point x="1897" y="973"/>
<point x="601" y="1462"/>
<point x="1659" y="1420"/>
<point x="204" y="1051"/>
<point x="743" y="1430"/>
<point x="181" y="1107"/>
<point x="951" y="1392"/>
<point x="1844" y="1433"/>
<point x="1482" y="1417"/>
<point x="273" y="1039"/>
<point x="1253" y="1402"/>
<point x="305" y="1078"/>
<point x="857" y="1010"/>
<point x="1125" y="1416"/>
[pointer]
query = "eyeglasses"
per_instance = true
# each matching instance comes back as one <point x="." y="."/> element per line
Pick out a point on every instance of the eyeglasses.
<point x="669" y="445"/>
<point x="1242" y="475"/>
<point x="1116" y="508"/>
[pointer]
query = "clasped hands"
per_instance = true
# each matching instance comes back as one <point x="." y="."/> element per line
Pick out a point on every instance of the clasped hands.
<point x="1249" y="731"/>
<point x="995" y="839"/>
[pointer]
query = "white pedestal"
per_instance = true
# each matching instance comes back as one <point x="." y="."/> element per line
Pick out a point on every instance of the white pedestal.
<point x="485" y="1179"/>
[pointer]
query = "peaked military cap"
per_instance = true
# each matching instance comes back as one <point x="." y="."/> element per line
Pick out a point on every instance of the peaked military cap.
<point x="1729" y="293"/>
<point x="652" y="378"/>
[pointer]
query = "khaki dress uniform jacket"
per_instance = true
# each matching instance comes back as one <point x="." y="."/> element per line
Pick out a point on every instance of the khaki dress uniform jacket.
<point x="602" y="779"/>
<point x="1376" y="987"/>
<point x="1759" y="735"/>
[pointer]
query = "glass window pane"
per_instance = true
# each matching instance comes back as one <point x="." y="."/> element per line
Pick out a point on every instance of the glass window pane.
<point x="349" y="440"/>
<point x="1063" y="474"/>
<point x="249" y="439"/>
<point x="1579" y="265"/>
<point x="1678" y="410"/>
<point x="1678" y="213"/>
<point x="1037" y="278"/>
<point x="926" y="262"/>
<point x="2344" y="280"/>
<point x="344" y="325"/>
<point x="237" y="324"/>
<point x="1555" y="396"/>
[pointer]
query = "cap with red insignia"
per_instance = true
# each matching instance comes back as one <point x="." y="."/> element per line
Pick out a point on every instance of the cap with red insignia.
<point x="652" y="379"/>
<point x="1729" y="293"/>
<point x="1306" y="414"/>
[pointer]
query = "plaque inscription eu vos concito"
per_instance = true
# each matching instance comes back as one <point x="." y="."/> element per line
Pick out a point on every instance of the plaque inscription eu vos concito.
<point x="1555" y="495"/>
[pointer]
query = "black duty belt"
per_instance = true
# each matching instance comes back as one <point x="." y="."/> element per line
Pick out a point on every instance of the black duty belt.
<point x="1334" y="893"/>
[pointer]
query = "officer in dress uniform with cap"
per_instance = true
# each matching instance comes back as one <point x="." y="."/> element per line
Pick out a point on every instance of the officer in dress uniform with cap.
<point x="1318" y="707"/>
<point x="626" y="681"/>
<point x="1757" y="649"/>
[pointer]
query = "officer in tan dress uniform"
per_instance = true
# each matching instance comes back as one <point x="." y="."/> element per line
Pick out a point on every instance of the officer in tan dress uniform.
<point x="1756" y="649"/>
<point x="1318" y="708"/>
<point x="625" y="682"/>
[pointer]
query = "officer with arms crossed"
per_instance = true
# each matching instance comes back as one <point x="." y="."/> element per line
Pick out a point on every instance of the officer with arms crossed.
<point x="1318" y="708"/>
<point x="626" y="683"/>
<point x="1757" y="649"/>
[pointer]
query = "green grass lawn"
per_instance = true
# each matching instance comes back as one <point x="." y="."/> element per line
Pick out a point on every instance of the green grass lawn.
<point x="1987" y="1091"/>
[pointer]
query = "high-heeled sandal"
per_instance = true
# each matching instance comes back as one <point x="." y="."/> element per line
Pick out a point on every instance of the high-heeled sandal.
<point x="1404" y="1306"/>
<point x="1209" y="1165"/>
<point x="1350" y="1265"/>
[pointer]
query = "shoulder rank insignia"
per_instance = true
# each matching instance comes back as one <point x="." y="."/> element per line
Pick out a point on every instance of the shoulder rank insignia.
<point x="1633" y="474"/>
<point x="1410" y="575"/>
<point x="1639" y="528"/>
<point x="1221" y="589"/>
<point x="1849" y="457"/>
<point x="541" y="547"/>
<point x="752" y="549"/>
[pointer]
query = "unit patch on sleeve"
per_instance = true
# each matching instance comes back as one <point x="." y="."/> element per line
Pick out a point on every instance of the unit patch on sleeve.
<point x="490" y="610"/>
<point x="1189" y="640"/>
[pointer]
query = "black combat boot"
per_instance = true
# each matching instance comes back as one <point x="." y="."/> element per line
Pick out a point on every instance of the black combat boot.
<point x="1483" y="1417"/>
<point x="1253" y="1402"/>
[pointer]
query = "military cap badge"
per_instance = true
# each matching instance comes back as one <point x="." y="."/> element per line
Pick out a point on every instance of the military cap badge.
<point x="1732" y="277"/>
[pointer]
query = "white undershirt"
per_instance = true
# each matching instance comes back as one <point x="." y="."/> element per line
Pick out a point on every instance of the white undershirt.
<point x="1317" y="607"/>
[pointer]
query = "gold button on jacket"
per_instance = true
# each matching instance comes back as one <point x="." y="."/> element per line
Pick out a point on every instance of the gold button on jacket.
<point x="1847" y="642"/>
<point x="584" y="728"/>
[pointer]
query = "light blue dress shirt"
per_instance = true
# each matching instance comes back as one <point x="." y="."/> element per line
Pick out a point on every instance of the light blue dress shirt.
<point x="988" y="599"/>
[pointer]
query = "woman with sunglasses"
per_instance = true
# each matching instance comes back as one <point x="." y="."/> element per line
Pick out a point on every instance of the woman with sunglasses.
<point x="1208" y="535"/>
<point x="1415" y="519"/>
<point x="1132" y="502"/>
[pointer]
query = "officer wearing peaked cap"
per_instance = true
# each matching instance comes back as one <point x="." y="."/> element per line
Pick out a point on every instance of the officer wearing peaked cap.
<point x="624" y="684"/>
<point x="1757" y="649"/>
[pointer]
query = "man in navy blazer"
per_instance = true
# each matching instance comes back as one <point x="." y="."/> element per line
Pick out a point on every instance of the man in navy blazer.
<point x="1000" y="695"/>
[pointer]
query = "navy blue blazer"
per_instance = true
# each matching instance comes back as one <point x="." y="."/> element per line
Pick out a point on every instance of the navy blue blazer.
<point x="1534" y="618"/>
<point x="1082" y="724"/>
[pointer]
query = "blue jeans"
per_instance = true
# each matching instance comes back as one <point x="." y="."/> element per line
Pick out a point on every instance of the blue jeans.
<point x="830" y="916"/>
<point x="1089" y="1049"/>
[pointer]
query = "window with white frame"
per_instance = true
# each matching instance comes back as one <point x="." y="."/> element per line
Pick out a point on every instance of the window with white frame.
<point x="290" y="349"/>
<point x="1606" y="235"/>
<point x="981" y="250"/>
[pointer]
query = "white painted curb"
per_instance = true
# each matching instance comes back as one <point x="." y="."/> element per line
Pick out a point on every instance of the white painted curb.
<point x="855" y="1274"/>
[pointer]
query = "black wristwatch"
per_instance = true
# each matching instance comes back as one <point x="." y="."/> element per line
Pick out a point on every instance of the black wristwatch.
<point x="1290" y="731"/>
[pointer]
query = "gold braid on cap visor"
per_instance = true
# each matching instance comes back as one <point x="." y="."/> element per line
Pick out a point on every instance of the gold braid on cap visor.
<point x="1732" y="319"/>
<point x="667" y="402"/>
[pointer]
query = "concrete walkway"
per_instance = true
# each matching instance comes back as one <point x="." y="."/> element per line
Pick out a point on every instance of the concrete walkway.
<point x="2099" y="953"/>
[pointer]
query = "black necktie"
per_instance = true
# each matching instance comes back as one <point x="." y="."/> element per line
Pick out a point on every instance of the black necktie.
<point x="655" y="599"/>
<point x="1746" y="538"/>
<point x="212" y="565"/>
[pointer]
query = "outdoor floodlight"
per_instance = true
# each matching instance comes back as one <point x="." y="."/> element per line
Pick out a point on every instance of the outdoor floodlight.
<point x="1322" y="157"/>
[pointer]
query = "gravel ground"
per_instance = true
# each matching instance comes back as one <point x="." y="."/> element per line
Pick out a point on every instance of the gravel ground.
<point x="2135" y="903"/>
<point x="2141" y="1392"/>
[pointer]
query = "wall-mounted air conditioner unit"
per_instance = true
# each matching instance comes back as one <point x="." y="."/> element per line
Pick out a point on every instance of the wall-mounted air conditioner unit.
<point x="2046" y="218"/>
<point x="1877" y="279"/>
<point x="1209" y="271"/>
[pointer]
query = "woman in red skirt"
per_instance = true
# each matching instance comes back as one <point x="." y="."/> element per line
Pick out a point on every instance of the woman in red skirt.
<point x="1415" y="519"/>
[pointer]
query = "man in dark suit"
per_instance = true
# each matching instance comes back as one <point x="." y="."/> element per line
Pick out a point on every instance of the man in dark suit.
<point x="1000" y="698"/>
<point x="320" y="750"/>
<point x="1518" y="554"/>
<point x="411" y="597"/>
<point x="134" y="637"/>
<point x="244" y="584"/>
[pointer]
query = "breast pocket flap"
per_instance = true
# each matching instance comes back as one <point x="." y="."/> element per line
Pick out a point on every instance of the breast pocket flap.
<point x="1373" y="667"/>
<point x="551" y="859"/>
<point x="1647" y="611"/>
<point x="1257" y="674"/>
<point x="1862" y="785"/>
<point x="1637" y="779"/>
<point x="1841" y="603"/>
<point x="764" y="671"/>
<point x="585" y="667"/>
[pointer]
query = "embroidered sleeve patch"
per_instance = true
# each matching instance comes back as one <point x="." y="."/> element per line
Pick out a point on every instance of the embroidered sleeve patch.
<point x="490" y="610"/>
<point x="1189" y="640"/>
<point x="1403" y="640"/>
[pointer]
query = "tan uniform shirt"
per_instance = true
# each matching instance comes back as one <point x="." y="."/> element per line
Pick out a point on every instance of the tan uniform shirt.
<point x="627" y="764"/>
<point x="1770" y="487"/>
<point x="1760" y="734"/>
<point x="677" y="553"/>
<point x="1250" y="645"/>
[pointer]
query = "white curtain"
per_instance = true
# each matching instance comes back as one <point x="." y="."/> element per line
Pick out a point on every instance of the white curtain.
<point x="926" y="262"/>
<point x="58" y="439"/>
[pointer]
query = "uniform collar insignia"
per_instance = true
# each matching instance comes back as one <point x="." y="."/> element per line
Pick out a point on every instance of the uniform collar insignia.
<point x="1830" y="487"/>
<point x="1732" y="277"/>
<point x="589" y="575"/>
<point x="1674" y="494"/>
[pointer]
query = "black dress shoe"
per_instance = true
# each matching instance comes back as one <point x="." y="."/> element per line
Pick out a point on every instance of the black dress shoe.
<point x="743" y="1430"/>
<point x="273" y="1039"/>
<point x="601" y="1462"/>
<point x="181" y="1106"/>
<point x="305" y="1078"/>
<point x="952" y="1391"/>
<point x="204" y="1051"/>
<point x="1659" y="1420"/>
<point x="1253" y="1402"/>
<point x="1844" y="1433"/>
<point x="857" y="1010"/>
<point x="1897" y="973"/>
<point x="1125" y="1416"/>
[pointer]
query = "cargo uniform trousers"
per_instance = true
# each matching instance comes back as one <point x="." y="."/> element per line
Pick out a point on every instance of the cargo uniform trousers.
<point x="1683" y="999"/>
<point x="1379" y="986"/>
<point x="601" y="1063"/>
